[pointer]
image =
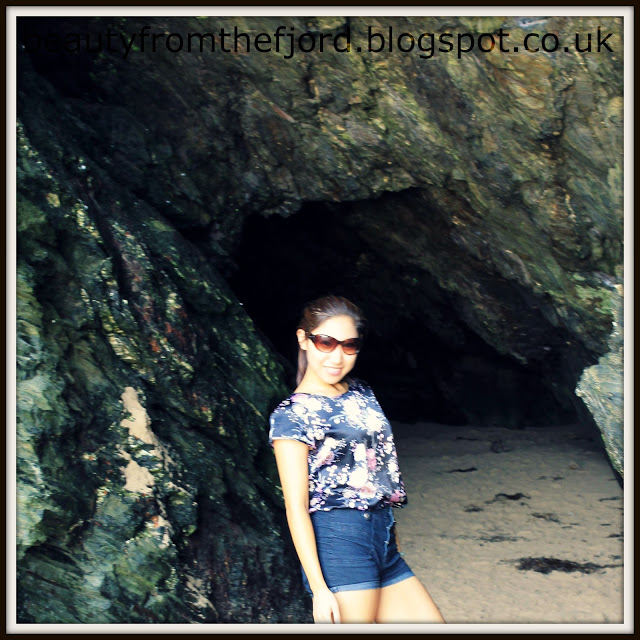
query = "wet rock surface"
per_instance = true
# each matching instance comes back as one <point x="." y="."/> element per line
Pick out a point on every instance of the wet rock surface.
<point x="174" y="212"/>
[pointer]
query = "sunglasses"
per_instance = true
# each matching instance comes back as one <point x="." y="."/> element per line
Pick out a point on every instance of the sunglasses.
<point x="327" y="344"/>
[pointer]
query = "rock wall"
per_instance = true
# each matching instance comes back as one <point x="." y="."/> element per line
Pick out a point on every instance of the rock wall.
<point x="146" y="488"/>
<point x="493" y="182"/>
<point x="602" y="388"/>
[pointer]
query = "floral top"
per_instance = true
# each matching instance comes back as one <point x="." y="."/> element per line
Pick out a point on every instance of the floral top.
<point x="352" y="456"/>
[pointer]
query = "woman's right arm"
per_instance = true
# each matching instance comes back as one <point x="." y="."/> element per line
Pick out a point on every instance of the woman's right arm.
<point x="293" y="467"/>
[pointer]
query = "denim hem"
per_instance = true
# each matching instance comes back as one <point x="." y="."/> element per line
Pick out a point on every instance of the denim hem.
<point x="404" y="576"/>
<point x="360" y="586"/>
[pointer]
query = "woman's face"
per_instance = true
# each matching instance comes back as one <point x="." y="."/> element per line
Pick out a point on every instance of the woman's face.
<point x="329" y="368"/>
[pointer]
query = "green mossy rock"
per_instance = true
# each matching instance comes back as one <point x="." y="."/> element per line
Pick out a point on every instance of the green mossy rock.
<point x="143" y="398"/>
<point x="602" y="388"/>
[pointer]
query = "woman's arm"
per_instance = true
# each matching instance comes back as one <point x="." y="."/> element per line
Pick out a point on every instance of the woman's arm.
<point x="293" y="467"/>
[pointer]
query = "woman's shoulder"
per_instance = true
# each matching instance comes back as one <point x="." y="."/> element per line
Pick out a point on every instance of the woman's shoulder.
<point x="284" y="405"/>
<point x="296" y="402"/>
<point x="365" y="392"/>
<point x="359" y="385"/>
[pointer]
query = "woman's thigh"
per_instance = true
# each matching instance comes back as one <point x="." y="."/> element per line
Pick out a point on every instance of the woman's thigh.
<point x="358" y="606"/>
<point x="406" y="601"/>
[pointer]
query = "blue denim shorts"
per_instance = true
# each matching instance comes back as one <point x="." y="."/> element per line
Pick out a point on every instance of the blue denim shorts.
<point x="357" y="549"/>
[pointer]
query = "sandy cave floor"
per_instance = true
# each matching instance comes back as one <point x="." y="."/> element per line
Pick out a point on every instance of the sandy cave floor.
<point x="482" y="498"/>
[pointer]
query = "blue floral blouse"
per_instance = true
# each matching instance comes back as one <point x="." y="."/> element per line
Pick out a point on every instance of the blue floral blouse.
<point x="352" y="456"/>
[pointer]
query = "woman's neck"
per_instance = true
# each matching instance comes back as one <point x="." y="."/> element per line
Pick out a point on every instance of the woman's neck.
<point x="322" y="389"/>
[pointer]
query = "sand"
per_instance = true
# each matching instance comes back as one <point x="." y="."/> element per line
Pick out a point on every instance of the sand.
<point x="481" y="499"/>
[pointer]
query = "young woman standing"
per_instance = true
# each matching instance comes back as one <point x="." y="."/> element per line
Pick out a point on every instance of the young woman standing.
<point x="339" y="473"/>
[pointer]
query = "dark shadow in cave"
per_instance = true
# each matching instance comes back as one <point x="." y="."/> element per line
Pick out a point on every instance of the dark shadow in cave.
<point x="452" y="378"/>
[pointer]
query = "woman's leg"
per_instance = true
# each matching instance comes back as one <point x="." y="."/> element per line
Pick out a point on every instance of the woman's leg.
<point x="358" y="606"/>
<point x="406" y="601"/>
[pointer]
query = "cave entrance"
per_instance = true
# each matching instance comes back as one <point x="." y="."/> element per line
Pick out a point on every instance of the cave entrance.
<point x="435" y="370"/>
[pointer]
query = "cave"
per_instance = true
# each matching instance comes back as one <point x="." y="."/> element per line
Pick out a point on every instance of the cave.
<point x="175" y="211"/>
<point x="424" y="361"/>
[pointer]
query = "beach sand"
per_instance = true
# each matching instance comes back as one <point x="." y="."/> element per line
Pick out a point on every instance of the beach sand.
<point x="483" y="498"/>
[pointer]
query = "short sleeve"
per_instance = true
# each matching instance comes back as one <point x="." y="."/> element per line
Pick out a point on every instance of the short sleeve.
<point x="285" y="424"/>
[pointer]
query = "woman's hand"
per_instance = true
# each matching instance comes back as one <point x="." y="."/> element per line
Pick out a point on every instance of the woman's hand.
<point x="325" y="608"/>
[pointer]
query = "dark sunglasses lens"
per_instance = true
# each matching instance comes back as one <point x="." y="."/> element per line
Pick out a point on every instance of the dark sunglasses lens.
<point x="325" y="343"/>
<point x="350" y="347"/>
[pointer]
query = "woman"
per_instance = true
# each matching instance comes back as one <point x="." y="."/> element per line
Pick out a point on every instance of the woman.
<point x="338" y="469"/>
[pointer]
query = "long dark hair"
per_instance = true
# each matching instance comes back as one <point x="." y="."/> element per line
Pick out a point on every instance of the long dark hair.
<point x="317" y="312"/>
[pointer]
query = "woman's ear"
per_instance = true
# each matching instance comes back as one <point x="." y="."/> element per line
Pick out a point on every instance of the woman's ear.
<point x="302" y="339"/>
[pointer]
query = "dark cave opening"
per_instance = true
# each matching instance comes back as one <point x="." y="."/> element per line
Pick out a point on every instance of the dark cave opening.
<point x="448" y="374"/>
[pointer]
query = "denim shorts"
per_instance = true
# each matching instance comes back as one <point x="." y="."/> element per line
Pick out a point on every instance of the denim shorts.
<point x="357" y="549"/>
